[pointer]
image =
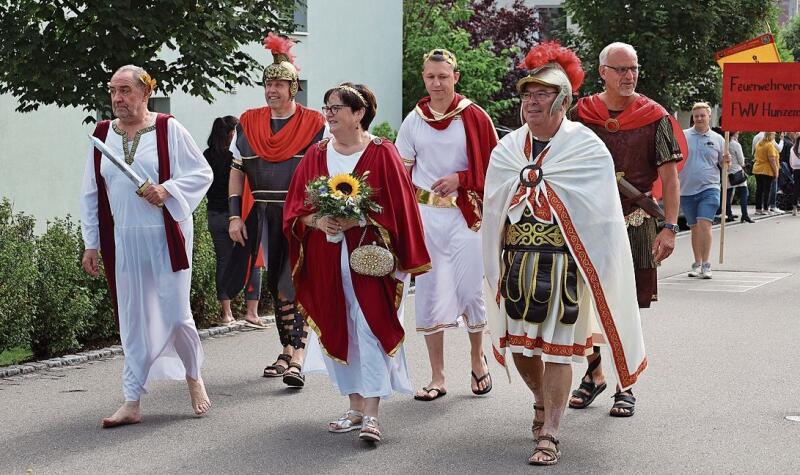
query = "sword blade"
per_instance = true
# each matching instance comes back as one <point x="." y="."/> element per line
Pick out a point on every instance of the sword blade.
<point x="117" y="161"/>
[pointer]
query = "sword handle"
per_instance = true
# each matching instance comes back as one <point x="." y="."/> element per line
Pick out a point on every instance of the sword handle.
<point x="147" y="184"/>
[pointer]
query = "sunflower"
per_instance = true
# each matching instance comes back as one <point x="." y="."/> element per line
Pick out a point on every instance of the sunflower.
<point x="344" y="185"/>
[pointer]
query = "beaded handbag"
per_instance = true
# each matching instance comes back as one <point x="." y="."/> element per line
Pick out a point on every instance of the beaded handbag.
<point x="370" y="259"/>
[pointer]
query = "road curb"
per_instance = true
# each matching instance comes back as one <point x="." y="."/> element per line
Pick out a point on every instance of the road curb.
<point x="112" y="351"/>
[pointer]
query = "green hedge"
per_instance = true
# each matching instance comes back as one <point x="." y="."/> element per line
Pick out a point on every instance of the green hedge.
<point x="17" y="277"/>
<point x="50" y="305"/>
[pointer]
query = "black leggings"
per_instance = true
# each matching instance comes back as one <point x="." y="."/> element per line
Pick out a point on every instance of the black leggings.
<point x="763" y="184"/>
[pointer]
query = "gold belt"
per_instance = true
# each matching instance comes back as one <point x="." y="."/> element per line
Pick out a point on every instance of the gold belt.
<point x="427" y="197"/>
<point x="534" y="235"/>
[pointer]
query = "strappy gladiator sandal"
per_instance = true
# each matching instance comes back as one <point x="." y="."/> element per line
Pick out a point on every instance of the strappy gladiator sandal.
<point x="588" y="390"/>
<point x="350" y="420"/>
<point x="552" y="452"/>
<point x="537" y="424"/>
<point x="369" y="430"/>
<point x="276" y="370"/>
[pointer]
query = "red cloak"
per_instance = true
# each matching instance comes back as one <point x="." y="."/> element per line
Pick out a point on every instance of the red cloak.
<point x="481" y="140"/>
<point x="643" y="111"/>
<point x="315" y="262"/>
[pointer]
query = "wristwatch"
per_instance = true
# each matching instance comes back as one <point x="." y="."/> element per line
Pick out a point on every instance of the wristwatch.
<point x="672" y="227"/>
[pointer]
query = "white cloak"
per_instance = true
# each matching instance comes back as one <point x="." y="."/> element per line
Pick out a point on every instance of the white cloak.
<point x="580" y="187"/>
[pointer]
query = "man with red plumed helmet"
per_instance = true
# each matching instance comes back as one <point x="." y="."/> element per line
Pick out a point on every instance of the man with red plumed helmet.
<point x="556" y="251"/>
<point x="267" y="147"/>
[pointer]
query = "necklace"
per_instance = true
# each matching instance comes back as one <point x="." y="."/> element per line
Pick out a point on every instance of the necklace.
<point x="128" y="148"/>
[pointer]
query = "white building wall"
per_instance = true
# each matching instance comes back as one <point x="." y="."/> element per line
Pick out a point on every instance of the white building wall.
<point x="44" y="152"/>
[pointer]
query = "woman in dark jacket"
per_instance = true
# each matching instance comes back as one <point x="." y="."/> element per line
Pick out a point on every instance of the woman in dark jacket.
<point x="219" y="158"/>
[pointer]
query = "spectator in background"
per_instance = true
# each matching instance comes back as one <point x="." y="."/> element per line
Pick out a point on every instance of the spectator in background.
<point x="765" y="169"/>
<point x="794" y="162"/>
<point x="700" y="185"/>
<point x="737" y="163"/>
<point x="219" y="158"/>
<point x="773" y="190"/>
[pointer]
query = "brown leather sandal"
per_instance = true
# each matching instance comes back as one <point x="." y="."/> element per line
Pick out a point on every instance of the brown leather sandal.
<point x="554" y="453"/>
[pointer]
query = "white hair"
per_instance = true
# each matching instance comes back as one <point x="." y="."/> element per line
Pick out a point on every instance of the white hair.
<point x="136" y="72"/>
<point x="617" y="45"/>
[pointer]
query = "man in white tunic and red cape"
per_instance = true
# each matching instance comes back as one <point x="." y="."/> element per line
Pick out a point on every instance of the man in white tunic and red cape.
<point x="556" y="251"/>
<point x="445" y="143"/>
<point x="146" y="241"/>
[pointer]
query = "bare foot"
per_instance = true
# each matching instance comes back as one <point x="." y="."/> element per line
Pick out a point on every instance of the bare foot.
<point x="200" y="401"/>
<point x="128" y="413"/>
<point x="226" y="319"/>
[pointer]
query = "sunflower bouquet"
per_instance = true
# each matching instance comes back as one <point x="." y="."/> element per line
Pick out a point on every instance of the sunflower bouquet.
<point x="341" y="196"/>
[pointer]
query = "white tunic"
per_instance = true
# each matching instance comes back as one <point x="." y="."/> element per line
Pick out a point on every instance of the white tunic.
<point x="450" y="294"/>
<point x="156" y="325"/>
<point x="369" y="371"/>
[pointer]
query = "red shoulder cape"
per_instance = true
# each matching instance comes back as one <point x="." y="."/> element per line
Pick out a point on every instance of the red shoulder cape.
<point x="643" y="111"/>
<point x="293" y="137"/>
<point x="176" y="244"/>
<point x="316" y="262"/>
<point x="481" y="139"/>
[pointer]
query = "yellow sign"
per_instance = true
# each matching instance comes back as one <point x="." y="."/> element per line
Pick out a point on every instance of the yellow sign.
<point x="757" y="50"/>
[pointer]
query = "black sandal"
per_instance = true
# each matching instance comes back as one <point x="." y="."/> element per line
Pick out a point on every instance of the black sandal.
<point x="588" y="390"/>
<point x="294" y="378"/>
<point x="537" y="424"/>
<point x="553" y="453"/>
<point x="624" y="403"/>
<point x="278" y="369"/>
<point x="480" y="392"/>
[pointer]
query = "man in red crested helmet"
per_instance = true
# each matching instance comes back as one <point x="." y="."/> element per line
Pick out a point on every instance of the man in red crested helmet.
<point x="556" y="254"/>
<point x="268" y="145"/>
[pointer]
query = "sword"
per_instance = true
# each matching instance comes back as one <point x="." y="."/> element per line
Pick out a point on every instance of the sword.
<point x="141" y="184"/>
<point x="643" y="200"/>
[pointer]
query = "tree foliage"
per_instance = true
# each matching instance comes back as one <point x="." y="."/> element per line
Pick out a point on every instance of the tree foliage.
<point x="675" y="41"/>
<point x="514" y="29"/>
<point x="429" y="24"/>
<point x="64" y="52"/>
<point x="790" y="34"/>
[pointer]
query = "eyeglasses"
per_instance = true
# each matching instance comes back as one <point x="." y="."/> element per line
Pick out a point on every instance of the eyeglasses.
<point x="333" y="110"/>
<point x="623" y="70"/>
<point x="538" y="96"/>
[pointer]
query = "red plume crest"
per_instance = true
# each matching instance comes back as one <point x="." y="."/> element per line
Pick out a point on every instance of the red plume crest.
<point x="279" y="45"/>
<point x="553" y="52"/>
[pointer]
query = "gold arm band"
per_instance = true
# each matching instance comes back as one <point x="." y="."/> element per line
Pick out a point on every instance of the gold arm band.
<point x="429" y="198"/>
<point x="231" y="218"/>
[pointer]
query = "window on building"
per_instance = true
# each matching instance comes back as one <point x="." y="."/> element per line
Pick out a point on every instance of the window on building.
<point x="301" y="17"/>
<point x="552" y="21"/>
<point x="158" y="104"/>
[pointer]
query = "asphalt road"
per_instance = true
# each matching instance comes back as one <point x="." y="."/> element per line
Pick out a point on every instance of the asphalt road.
<point x="722" y="378"/>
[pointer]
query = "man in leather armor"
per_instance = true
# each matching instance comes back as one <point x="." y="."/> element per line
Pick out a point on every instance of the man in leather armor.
<point x="267" y="147"/>
<point x="641" y="136"/>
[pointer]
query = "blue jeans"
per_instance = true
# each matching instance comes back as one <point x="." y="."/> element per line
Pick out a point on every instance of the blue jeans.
<point x="702" y="205"/>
